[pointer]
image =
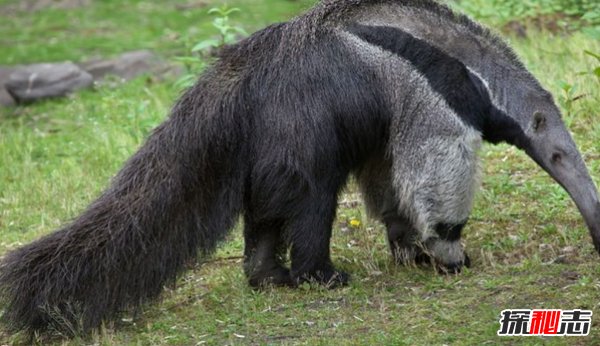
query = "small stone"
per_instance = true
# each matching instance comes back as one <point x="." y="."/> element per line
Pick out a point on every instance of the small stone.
<point x="39" y="81"/>
<point x="128" y="66"/>
<point x="570" y="275"/>
<point x="39" y="5"/>
<point x="562" y="259"/>
<point x="544" y="247"/>
<point x="568" y="250"/>
<point x="5" y="98"/>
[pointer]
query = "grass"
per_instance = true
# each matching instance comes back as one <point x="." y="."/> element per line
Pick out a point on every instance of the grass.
<point x="56" y="156"/>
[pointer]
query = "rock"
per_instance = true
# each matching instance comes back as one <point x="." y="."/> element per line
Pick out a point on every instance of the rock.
<point x="5" y="98"/>
<point x="33" y="82"/>
<point x="38" y="5"/>
<point x="128" y="65"/>
<point x="190" y="5"/>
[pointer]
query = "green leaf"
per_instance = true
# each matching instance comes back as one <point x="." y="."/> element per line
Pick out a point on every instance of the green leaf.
<point x="218" y="11"/>
<point x="187" y="59"/>
<point x="223" y="11"/>
<point x="593" y="32"/>
<point x="591" y="16"/>
<point x="219" y="22"/>
<point x="231" y="10"/>
<point x="573" y="89"/>
<point x="597" y="71"/>
<point x="214" y="10"/>
<point x="185" y="81"/>
<point x="203" y="45"/>
<point x="239" y="30"/>
<point x="590" y="53"/>
<point x="566" y="87"/>
<point x="229" y="38"/>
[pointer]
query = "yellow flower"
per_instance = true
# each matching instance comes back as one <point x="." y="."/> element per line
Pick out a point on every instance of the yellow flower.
<point x="355" y="223"/>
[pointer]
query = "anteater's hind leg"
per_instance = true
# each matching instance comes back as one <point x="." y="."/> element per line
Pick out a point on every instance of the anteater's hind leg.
<point x="264" y="253"/>
<point x="287" y="208"/>
<point x="309" y="234"/>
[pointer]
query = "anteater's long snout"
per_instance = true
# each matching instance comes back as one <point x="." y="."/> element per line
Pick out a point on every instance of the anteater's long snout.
<point x="569" y="170"/>
<point x="557" y="154"/>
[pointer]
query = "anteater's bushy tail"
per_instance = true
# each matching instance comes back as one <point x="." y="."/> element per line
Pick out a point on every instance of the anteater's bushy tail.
<point x="179" y="194"/>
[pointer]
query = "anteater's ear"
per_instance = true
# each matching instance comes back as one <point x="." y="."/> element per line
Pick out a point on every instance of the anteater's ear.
<point x="480" y="86"/>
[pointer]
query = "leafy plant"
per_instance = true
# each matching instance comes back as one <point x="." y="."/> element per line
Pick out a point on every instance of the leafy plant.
<point x="567" y="98"/>
<point x="202" y="51"/>
<point x="596" y="70"/>
<point x="227" y="32"/>
<point x="593" y="18"/>
<point x="585" y="14"/>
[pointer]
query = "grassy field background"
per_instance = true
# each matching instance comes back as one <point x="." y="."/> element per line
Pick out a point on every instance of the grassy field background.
<point x="527" y="241"/>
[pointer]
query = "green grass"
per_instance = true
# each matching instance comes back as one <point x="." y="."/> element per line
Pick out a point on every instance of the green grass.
<point x="113" y="26"/>
<point x="56" y="156"/>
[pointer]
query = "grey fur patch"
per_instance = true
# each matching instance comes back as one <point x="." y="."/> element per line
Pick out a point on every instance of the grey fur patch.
<point x="435" y="188"/>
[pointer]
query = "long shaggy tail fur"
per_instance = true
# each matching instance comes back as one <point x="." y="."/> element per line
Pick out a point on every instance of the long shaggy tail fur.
<point x="179" y="194"/>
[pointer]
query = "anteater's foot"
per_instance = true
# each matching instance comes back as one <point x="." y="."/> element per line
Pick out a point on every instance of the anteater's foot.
<point x="328" y="277"/>
<point x="275" y="276"/>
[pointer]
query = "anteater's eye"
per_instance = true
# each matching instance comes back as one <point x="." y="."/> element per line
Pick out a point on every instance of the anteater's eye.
<point x="539" y="120"/>
<point x="556" y="157"/>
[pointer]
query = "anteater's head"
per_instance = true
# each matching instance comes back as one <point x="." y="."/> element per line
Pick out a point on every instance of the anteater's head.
<point x="526" y="115"/>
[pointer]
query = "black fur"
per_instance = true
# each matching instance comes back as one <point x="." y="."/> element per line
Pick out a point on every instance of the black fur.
<point x="499" y="127"/>
<point x="446" y="75"/>
<point x="403" y="240"/>
<point x="273" y="130"/>
<point x="139" y="234"/>
<point x="449" y="232"/>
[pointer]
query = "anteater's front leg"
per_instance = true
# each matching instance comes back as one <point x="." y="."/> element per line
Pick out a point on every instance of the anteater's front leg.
<point x="403" y="240"/>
